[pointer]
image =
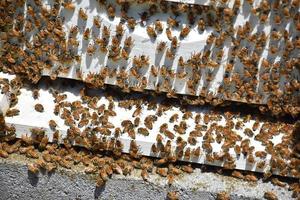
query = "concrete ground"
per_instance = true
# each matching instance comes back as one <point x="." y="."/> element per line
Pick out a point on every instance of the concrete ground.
<point x="17" y="183"/>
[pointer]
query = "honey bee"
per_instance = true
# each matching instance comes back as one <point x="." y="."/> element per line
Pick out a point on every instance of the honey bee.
<point x="172" y="22"/>
<point x="97" y="22"/>
<point x="143" y="131"/>
<point x="52" y="124"/>
<point x="161" y="46"/>
<point x="162" y="171"/>
<point x="276" y="181"/>
<point x="158" y="26"/>
<point x="119" y="30"/>
<point x="131" y="22"/>
<point x="154" y="71"/>
<point x="187" y="153"/>
<point x="82" y="14"/>
<point x="91" y="49"/>
<point x="50" y="167"/>
<point x="128" y="42"/>
<point x="33" y="168"/>
<point x="151" y="32"/>
<point x="172" y="195"/>
<point x="69" y="5"/>
<point x="184" y="32"/>
<point x="250" y="177"/>
<point x="223" y="196"/>
<point x="270" y="195"/>
<point x="111" y="11"/>
<point x="39" y="107"/>
<point x="3" y="154"/>
<point x="255" y="126"/>
<point x="154" y="149"/>
<point x="124" y="54"/>
<point x="12" y="112"/>
<point x="237" y="174"/>
<point x="187" y="168"/>
<point x="169" y="134"/>
<point x="173" y="118"/>
<point x="169" y="34"/>
<point x="145" y="175"/>
<point x="201" y="25"/>
<point x="174" y="42"/>
<point x="170" y="54"/>
<point x="105" y="32"/>
<point x="35" y="94"/>
<point x="86" y="34"/>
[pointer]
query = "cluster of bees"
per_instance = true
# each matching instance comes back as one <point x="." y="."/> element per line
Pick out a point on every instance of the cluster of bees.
<point x="92" y="125"/>
<point x="49" y="157"/>
<point x="51" y="48"/>
<point x="79" y="115"/>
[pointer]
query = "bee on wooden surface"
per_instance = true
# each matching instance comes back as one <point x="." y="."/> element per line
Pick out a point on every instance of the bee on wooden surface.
<point x="223" y="196"/>
<point x="119" y="30"/>
<point x="91" y="49"/>
<point x="201" y="25"/>
<point x="43" y="142"/>
<point x="148" y="121"/>
<point x="111" y="11"/>
<point x="273" y="49"/>
<point x="162" y="171"/>
<point x="35" y="94"/>
<point x="115" y="41"/>
<point x="52" y="124"/>
<point x="151" y="32"/>
<point x="82" y="14"/>
<point x="158" y="26"/>
<point x="12" y="112"/>
<point x="170" y="54"/>
<point x="97" y="22"/>
<point x="39" y="107"/>
<point x="161" y="46"/>
<point x="105" y="32"/>
<point x="196" y="152"/>
<point x="128" y="42"/>
<point x="172" y="22"/>
<point x="255" y="126"/>
<point x="74" y="31"/>
<point x="169" y="34"/>
<point x="187" y="153"/>
<point x="137" y="111"/>
<point x="69" y="5"/>
<point x="185" y="31"/>
<point x="174" y="118"/>
<point x="261" y="154"/>
<point x="86" y="34"/>
<point x="124" y="54"/>
<point x="154" y="71"/>
<point x="210" y="39"/>
<point x="131" y="22"/>
<point x="169" y="134"/>
<point x="270" y="195"/>
<point x="143" y="131"/>
<point x="174" y="42"/>
<point x="154" y="149"/>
